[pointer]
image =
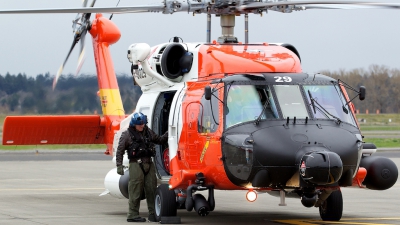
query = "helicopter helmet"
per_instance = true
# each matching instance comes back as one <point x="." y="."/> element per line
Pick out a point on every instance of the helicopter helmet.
<point x="138" y="118"/>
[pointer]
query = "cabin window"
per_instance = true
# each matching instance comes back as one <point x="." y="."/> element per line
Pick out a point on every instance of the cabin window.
<point x="291" y="101"/>
<point x="208" y="119"/>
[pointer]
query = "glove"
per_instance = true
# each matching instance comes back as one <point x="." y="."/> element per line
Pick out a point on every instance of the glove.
<point x="120" y="170"/>
<point x="165" y="134"/>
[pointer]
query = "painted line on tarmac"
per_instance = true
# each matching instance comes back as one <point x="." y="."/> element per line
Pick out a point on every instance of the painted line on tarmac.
<point x="350" y="221"/>
<point x="50" y="189"/>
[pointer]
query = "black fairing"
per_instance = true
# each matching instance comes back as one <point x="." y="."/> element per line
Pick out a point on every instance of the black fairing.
<point x="277" y="147"/>
<point x="382" y="173"/>
<point x="321" y="167"/>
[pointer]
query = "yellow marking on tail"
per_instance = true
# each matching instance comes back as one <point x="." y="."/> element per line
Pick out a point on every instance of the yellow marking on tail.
<point x="111" y="102"/>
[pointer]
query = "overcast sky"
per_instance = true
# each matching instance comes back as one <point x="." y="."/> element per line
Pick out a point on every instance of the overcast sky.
<point x="326" y="39"/>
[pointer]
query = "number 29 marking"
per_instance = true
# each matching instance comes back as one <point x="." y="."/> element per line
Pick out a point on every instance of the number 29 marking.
<point x="283" y="79"/>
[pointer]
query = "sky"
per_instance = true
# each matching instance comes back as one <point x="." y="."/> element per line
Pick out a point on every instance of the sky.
<point x="326" y="39"/>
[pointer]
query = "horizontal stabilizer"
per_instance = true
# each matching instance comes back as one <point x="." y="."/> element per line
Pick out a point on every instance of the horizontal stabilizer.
<point x="42" y="130"/>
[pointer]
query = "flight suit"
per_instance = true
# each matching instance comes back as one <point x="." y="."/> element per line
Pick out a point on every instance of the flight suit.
<point x="142" y="173"/>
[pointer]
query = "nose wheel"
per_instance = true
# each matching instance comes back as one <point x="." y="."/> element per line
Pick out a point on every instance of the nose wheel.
<point x="165" y="202"/>
<point x="332" y="208"/>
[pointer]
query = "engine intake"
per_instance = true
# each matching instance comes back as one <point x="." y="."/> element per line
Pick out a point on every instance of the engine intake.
<point x="175" y="61"/>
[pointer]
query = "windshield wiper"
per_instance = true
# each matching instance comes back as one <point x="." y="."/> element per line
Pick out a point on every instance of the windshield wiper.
<point x="257" y="121"/>
<point x="312" y="101"/>
<point x="322" y="109"/>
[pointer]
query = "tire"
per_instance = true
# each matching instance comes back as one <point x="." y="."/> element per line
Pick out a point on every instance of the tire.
<point x="165" y="202"/>
<point x="332" y="208"/>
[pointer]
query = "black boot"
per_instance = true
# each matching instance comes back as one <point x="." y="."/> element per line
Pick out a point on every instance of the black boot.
<point x="152" y="218"/>
<point x="137" y="219"/>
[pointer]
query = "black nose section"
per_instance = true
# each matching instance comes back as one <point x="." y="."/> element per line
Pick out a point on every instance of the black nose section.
<point x="321" y="167"/>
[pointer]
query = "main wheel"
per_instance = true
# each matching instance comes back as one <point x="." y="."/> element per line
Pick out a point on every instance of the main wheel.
<point x="332" y="208"/>
<point x="165" y="202"/>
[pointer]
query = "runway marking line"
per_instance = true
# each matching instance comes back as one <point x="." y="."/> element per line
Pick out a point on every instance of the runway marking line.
<point x="343" y="221"/>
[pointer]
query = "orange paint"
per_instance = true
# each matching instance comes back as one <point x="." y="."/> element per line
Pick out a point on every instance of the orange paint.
<point x="192" y="143"/>
<point x="246" y="59"/>
<point x="104" y="32"/>
<point x="40" y="130"/>
<point x="360" y="176"/>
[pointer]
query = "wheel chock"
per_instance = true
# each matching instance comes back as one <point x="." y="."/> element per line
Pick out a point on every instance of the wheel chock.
<point x="170" y="220"/>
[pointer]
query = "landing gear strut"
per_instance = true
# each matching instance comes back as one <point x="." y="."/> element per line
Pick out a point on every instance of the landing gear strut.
<point x="198" y="201"/>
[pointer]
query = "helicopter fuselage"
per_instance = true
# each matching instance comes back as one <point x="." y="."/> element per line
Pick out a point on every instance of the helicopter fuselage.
<point x="259" y="143"/>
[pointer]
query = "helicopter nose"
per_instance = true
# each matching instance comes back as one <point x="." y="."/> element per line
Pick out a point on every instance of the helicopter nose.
<point x="320" y="167"/>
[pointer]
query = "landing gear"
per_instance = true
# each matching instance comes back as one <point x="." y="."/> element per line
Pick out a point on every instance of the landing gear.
<point x="198" y="201"/>
<point x="165" y="202"/>
<point x="332" y="208"/>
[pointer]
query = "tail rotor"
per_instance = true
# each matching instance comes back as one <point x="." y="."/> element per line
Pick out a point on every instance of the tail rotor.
<point x="80" y="25"/>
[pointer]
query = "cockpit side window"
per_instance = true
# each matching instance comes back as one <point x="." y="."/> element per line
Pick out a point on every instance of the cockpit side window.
<point x="246" y="102"/>
<point x="208" y="119"/>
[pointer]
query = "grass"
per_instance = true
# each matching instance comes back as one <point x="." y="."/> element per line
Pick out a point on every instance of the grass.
<point x="384" y="142"/>
<point x="379" y="128"/>
<point x="381" y="120"/>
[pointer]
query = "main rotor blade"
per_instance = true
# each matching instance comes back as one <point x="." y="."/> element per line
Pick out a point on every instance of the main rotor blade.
<point x="129" y="9"/>
<point x="84" y="3"/>
<point x="257" y="5"/>
<point x="339" y="7"/>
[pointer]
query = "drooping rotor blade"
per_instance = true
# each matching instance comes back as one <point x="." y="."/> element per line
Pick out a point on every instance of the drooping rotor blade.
<point x="256" y="5"/>
<point x="116" y="10"/>
<point x="93" y="2"/>
<point x="84" y="3"/>
<point x="65" y="61"/>
<point x="338" y="7"/>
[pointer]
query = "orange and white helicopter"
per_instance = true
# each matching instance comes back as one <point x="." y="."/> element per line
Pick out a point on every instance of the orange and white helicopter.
<point x="240" y="116"/>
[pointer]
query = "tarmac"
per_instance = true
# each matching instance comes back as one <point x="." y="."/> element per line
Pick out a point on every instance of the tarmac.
<point x="60" y="187"/>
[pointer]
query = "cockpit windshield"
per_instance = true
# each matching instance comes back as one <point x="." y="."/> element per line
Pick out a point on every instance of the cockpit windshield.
<point x="246" y="102"/>
<point x="291" y="101"/>
<point x="331" y="100"/>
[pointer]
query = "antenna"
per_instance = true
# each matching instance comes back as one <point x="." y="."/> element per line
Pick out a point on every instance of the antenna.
<point x="208" y="28"/>
<point x="246" y="28"/>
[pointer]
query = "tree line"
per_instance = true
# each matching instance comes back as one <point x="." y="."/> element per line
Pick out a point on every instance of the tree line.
<point x="382" y="88"/>
<point x="20" y="94"/>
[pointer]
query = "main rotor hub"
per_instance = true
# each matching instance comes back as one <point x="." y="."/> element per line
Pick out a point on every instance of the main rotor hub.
<point x="227" y="26"/>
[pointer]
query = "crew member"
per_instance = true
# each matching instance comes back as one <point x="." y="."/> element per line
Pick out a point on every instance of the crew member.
<point x="139" y="141"/>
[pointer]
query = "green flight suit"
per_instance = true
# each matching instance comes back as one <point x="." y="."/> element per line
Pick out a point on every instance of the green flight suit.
<point x="138" y="181"/>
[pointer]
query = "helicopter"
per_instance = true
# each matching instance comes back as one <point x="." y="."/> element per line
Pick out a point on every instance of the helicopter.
<point x="240" y="115"/>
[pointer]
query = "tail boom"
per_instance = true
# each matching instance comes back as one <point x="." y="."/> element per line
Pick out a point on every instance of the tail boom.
<point x="104" y="33"/>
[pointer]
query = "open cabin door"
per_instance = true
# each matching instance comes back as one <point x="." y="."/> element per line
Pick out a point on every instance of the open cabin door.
<point x="160" y="126"/>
